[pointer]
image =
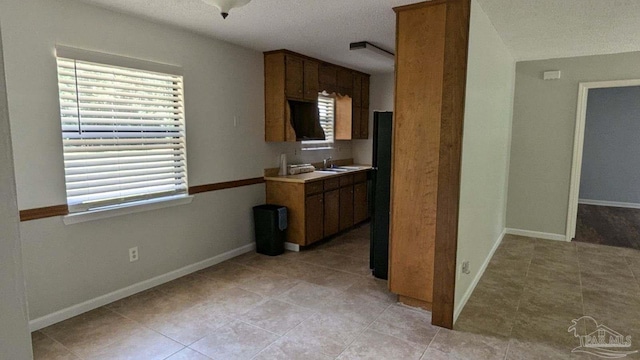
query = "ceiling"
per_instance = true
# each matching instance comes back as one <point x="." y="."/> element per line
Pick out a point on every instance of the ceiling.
<point x="531" y="29"/>
<point x="545" y="29"/>
<point x="318" y="28"/>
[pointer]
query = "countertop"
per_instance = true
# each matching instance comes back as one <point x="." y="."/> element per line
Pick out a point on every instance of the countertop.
<point x="316" y="175"/>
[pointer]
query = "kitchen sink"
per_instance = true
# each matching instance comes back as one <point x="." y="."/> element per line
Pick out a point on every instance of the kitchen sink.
<point x="336" y="169"/>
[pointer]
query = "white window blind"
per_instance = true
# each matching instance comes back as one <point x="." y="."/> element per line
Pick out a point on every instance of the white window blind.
<point x="326" y="108"/>
<point x="123" y="133"/>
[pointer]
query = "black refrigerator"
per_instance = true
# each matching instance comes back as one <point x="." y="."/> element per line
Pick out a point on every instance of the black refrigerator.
<point x="380" y="193"/>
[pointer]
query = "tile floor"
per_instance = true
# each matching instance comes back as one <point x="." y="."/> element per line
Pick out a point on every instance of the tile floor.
<point x="323" y="304"/>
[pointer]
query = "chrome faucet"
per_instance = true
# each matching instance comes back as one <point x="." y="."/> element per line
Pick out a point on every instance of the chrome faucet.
<point x="327" y="162"/>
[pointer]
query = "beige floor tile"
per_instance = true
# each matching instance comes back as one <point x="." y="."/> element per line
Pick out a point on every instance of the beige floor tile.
<point x="276" y="316"/>
<point x="634" y="265"/>
<point x="433" y="354"/>
<point x="285" y="349"/>
<point x="486" y="320"/>
<point x="338" y="280"/>
<point x="191" y="324"/>
<point x="374" y="290"/>
<point x="326" y="334"/>
<point x="151" y="305"/>
<point x="528" y="350"/>
<point x="463" y="345"/>
<point x="337" y="261"/>
<point x="268" y="284"/>
<point x="188" y="354"/>
<point x="604" y="265"/>
<point x="235" y="341"/>
<point x="411" y="325"/>
<point x="352" y="308"/>
<point x="235" y="301"/>
<point x="230" y="272"/>
<point x="45" y="348"/>
<point x="545" y="296"/>
<point x="140" y="344"/>
<point x="548" y="328"/>
<point x="625" y="285"/>
<point x="373" y="345"/>
<point x="92" y="330"/>
<point x="308" y="295"/>
<point x="274" y="264"/>
<point x="546" y="269"/>
<point x="194" y="287"/>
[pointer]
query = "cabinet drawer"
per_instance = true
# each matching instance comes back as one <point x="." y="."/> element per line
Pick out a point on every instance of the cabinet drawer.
<point x="346" y="180"/>
<point x="360" y="177"/>
<point x="331" y="184"/>
<point x="313" y="188"/>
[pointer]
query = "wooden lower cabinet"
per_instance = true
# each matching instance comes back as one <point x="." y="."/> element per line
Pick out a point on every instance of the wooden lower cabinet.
<point x="346" y="207"/>
<point x="314" y="215"/>
<point x="360" y="203"/>
<point x="331" y="212"/>
<point x="321" y="208"/>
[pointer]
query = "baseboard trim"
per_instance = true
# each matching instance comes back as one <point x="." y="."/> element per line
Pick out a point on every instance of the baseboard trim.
<point x="609" y="203"/>
<point x="291" y="246"/>
<point x="537" y="234"/>
<point x="474" y="283"/>
<point x="75" y="310"/>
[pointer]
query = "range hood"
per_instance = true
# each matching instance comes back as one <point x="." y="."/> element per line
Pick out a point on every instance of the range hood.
<point x="305" y="120"/>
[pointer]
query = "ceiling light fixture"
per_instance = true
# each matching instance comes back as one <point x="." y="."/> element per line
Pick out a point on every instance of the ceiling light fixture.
<point x="368" y="47"/>
<point x="226" y="5"/>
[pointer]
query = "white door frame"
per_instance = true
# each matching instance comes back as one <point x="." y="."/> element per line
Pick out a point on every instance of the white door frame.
<point x="578" y="143"/>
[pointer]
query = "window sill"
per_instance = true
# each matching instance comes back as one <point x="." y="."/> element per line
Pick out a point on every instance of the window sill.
<point x="132" y="208"/>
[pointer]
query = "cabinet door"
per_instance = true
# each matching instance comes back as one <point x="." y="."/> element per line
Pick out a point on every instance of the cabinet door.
<point x="294" y="75"/>
<point x="360" y="203"/>
<point x="345" y="82"/>
<point x="365" y="91"/>
<point x="364" y="123"/>
<point x="314" y="214"/>
<point x="331" y="212"/>
<point x="311" y="86"/>
<point x="346" y="207"/>
<point x="357" y="89"/>
<point x="356" y="116"/>
<point x="328" y="77"/>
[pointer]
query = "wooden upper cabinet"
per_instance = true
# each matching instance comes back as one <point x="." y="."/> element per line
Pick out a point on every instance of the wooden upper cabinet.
<point x="345" y="82"/>
<point x="365" y="91"/>
<point x="364" y="123"/>
<point x="311" y="84"/>
<point x="357" y="89"/>
<point x="355" y="122"/>
<point x="328" y="78"/>
<point x="294" y="77"/>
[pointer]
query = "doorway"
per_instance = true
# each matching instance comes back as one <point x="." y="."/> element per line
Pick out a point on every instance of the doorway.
<point x="604" y="202"/>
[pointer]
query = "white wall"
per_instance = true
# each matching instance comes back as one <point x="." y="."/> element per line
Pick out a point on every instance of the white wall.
<point x="66" y="265"/>
<point x="485" y="150"/>
<point x="15" y="342"/>
<point x="381" y="90"/>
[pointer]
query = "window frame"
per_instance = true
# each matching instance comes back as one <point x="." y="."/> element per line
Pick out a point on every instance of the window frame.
<point x="143" y="200"/>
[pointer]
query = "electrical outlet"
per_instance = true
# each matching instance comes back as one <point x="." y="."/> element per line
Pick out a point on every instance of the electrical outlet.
<point x="466" y="269"/>
<point x="133" y="254"/>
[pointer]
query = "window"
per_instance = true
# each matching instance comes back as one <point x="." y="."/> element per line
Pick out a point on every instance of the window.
<point x="123" y="133"/>
<point x="326" y="108"/>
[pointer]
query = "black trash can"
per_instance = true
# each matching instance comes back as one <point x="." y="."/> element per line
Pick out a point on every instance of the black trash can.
<point x="270" y="224"/>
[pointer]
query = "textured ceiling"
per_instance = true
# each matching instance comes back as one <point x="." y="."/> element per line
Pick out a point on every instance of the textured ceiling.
<point x="544" y="29"/>
<point x="531" y="29"/>
<point x="317" y="28"/>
